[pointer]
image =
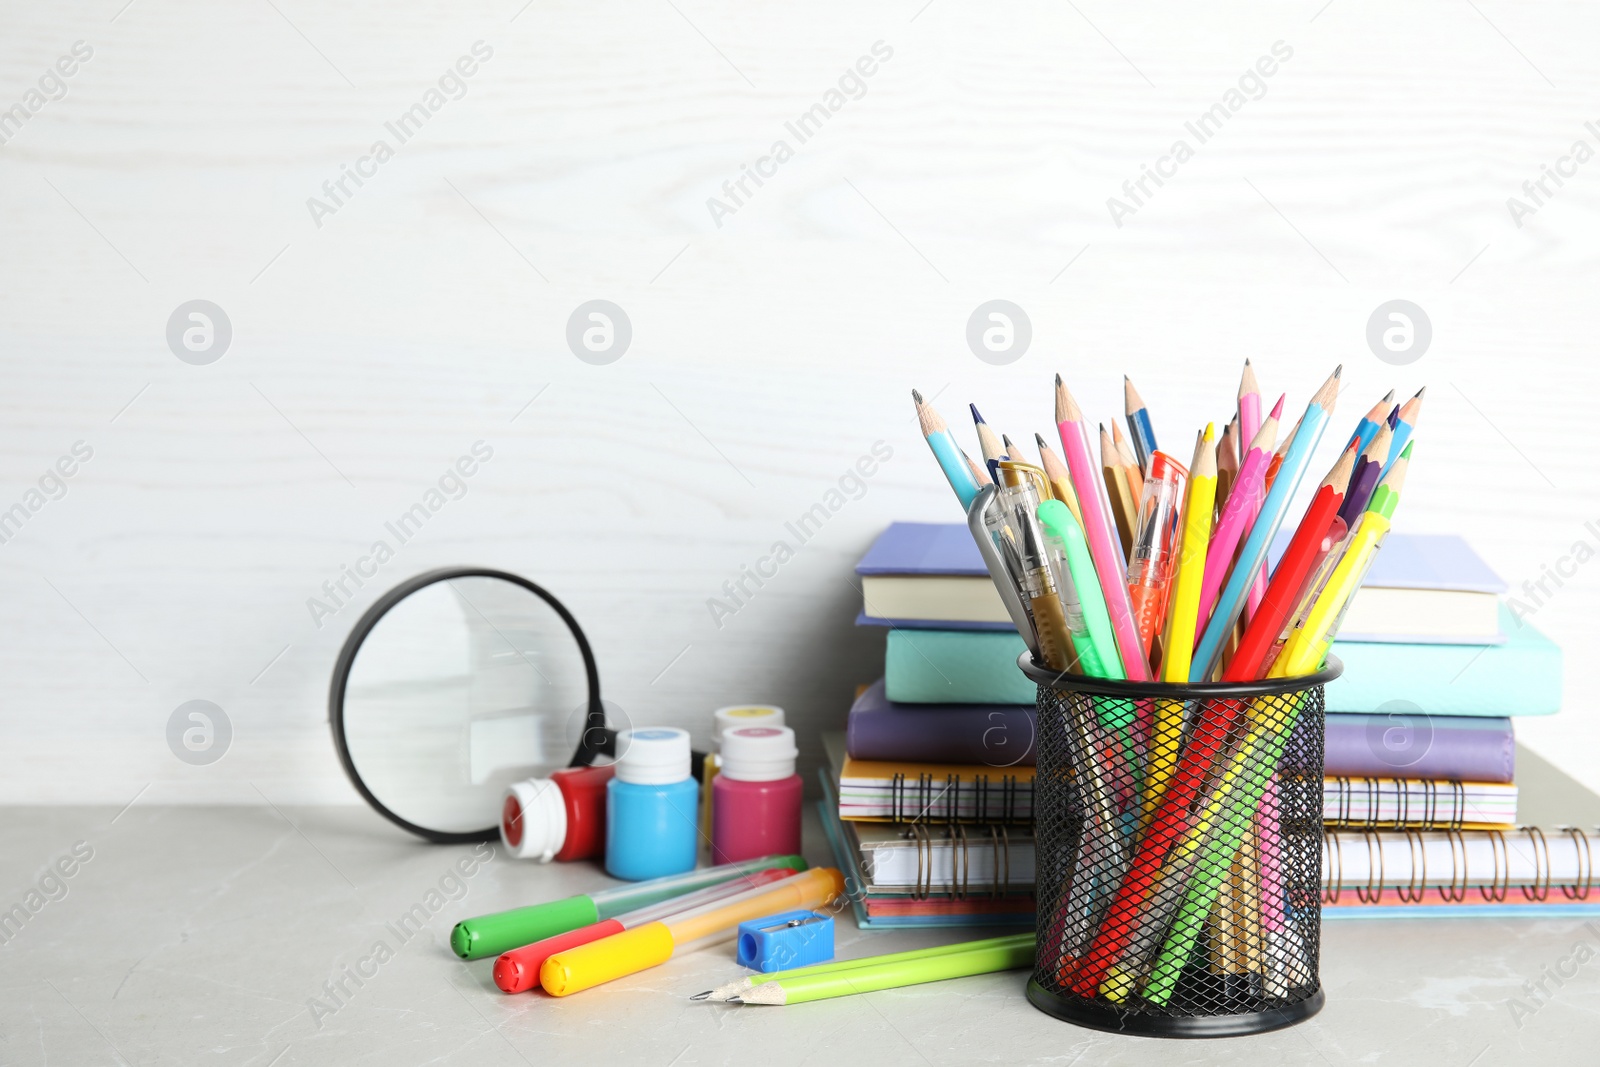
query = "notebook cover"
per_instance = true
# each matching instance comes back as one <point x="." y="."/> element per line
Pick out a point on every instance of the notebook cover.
<point x="863" y="619"/>
<point x="999" y="735"/>
<point x="1420" y="746"/>
<point x="1520" y="677"/>
<point x="923" y="548"/>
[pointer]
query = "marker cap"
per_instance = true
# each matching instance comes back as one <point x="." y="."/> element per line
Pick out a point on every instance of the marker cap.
<point x="725" y="719"/>
<point x="490" y="935"/>
<point x="758" y="753"/>
<point x="655" y="756"/>
<point x="533" y="822"/>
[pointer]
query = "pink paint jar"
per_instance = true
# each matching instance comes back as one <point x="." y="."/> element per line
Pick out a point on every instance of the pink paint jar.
<point x="756" y="796"/>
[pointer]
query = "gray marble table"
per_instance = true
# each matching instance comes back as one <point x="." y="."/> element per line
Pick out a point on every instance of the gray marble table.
<point x="224" y="935"/>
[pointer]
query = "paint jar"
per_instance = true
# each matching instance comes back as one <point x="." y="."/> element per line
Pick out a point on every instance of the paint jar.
<point x="757" y="795"/>
<point x="650" y="806"/>
<point x="562" y="817"/>
<point x="722" y="720"/>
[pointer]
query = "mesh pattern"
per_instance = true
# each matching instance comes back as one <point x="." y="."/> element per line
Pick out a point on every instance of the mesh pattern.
<point x="1179" y="852"/>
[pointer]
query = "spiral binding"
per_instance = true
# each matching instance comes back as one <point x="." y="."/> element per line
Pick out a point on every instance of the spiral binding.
<point x="1499" y="887"/>
<point x="996" y="838"/>
<point x="1443" y="803"/>
<point x="912" y="804"/>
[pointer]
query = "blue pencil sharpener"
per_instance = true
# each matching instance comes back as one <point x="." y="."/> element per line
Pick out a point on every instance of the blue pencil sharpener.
<point x="784" y="941"/>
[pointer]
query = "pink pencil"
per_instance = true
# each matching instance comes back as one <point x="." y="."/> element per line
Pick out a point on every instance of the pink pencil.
<point x="1249" y="423"/>
<point x="1104" y="547"/>
<point x="1244" y="503"/>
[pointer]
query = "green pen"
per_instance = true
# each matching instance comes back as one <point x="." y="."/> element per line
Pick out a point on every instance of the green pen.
<point x="502" y="931"/>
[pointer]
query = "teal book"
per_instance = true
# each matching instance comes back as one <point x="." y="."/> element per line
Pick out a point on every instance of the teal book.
<point x="1520" y="677"/>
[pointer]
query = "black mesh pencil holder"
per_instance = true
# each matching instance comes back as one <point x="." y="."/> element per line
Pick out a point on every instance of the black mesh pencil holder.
<point x="1178" y="831"/>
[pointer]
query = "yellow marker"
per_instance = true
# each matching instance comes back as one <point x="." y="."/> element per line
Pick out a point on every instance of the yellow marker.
<point x="654" y="943"/>
<point x="1182" y="618"/>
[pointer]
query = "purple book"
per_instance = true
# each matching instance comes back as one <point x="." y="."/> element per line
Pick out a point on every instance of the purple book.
<point x="1400" y="745"/>
<point x="999" y="735"/>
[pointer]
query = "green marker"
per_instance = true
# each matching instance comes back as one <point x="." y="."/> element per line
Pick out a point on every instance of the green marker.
<point x="1240" y="790"/>
<point x="490" y="935"/>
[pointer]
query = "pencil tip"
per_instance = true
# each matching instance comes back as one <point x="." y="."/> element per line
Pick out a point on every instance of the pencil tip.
<point x="975" y="416"/>
<point x="734" y="1000"/>
<point x="1387" y="397"/>
<point x="1058" y="379"/>
<point x="702" y="996"/>
<point x="1337" y="371"/>
<point x="1405" y="453"/>
<point x="1038" y="440"/>
<point x="1246" y="361"/>
<point x="917" y="397"/>
<point x="1277" y="409"/>
<point x="1424" y="389"/>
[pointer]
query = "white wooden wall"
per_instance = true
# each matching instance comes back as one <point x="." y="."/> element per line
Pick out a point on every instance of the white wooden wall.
<point x="768" y="354"/>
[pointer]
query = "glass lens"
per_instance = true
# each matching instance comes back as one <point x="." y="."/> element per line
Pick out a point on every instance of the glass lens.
<point x="461" y="688"/>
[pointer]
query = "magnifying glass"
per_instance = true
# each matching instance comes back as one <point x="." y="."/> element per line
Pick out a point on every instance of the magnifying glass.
<point x="455" y="684"/>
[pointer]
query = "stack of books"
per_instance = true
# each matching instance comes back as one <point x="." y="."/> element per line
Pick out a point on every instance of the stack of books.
<point x="1420" y="749"/>
<point x="929" y="806"/>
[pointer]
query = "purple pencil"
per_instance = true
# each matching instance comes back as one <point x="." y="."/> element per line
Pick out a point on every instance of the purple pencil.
<point x="1365" y="479"/>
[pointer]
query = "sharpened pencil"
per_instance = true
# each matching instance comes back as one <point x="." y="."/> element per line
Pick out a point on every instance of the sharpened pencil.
<point x="1124" y="509"/>
<point x="1144" y="435"/>
<point x="945" y="450"/>
<point x="988" y="442"/>
<point x="1060" y="481"/>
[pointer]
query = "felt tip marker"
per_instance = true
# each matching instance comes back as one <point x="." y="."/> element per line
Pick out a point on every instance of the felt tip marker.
<point x="490" y="935"/>
<point x="517" y="971"/>
<point x="643" y="947"/>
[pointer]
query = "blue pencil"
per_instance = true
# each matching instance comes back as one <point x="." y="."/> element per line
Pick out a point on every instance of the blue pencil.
<point x="1139" y="428"/>
<point x="1232" y="599"/>
<point x="1371" y="423"/>
<point x="946" y="451"/>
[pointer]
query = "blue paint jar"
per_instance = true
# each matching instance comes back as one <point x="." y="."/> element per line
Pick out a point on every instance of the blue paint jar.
<point x="652" y="806"/>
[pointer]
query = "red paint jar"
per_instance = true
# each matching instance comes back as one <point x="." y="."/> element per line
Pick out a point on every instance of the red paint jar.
<point x="562" y="817"/>
<point x="756" y="796"/>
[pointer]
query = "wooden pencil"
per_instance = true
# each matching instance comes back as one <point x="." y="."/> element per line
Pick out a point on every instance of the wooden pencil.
<point x="1060" y="480"/>
<point x="1227" y="460"/>
<point x="1130" y="464"/>
<point x="1123" y="509"/>
<point x="979" y="473"/>
<point x="1144" y="434"/>
<point x="988" y="442"/>
<point x="946" y="452"/>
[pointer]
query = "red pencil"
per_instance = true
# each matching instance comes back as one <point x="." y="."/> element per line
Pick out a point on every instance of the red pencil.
<point x="1249" y="661"/>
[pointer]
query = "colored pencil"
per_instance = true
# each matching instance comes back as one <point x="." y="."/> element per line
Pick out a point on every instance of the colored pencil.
<point x="1369" y="467"/>
<point x="1109" y="564"/>
<point x="1226" y="461"/>
<point x="1124" y="509"/>
<point x="1249" y="661"/>
<point x="1130" y="462"/>
<point x="1231" y="601"/>
<point x="1178" y="639"/>
<point x="738" y="986"/>
<point x="1144" y="435"/>
<point x="1405" y="426"/>
<point x="988" y="443"/>
<point x="1308" y="647"/>
<point x="892" y="975"/>
<point x="1249" y="411"/>
<point x="1055" y="472"/>
<point x="979" y="474"/>
<point x="1367" y="428"/>
<point x="1234" y="520"/>
<point x="943" y="443"/>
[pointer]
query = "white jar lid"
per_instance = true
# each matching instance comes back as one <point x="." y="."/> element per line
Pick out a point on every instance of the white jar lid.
<point x="533" y="822"/>
<point x="758" y="753"/>
<point x="658" y="755"/>
<point x="725" y="719"/>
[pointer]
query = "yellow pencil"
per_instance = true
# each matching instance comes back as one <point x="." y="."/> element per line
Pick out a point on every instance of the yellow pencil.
<point x="1182" y="618"/>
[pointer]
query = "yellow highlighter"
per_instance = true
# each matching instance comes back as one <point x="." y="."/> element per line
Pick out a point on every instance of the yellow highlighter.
<point x="654" y="943"/>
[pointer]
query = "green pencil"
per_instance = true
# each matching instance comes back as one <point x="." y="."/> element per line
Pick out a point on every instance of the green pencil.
<point x="729" y="990"/>
<point x="802" y="988"/>
<point x="1246" y="779"/>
